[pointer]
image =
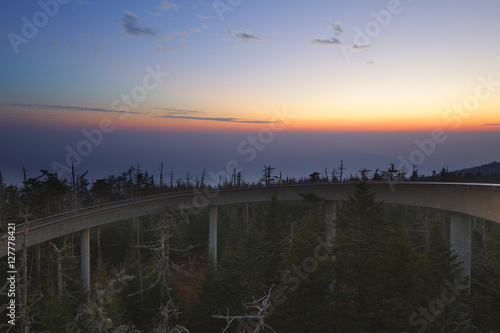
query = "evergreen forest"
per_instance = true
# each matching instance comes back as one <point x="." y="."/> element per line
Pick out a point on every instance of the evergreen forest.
<point x="388" y="269"/>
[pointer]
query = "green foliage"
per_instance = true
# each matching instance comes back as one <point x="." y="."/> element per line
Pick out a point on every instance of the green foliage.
<point x="116" y="240"/>
<point x="486" y="302"/>
<point x="210" y="300"/>
<point x="392" y="265"/>
<point x="55" y="313"/>
<point x="362" y="231"/>
<point x="302" y="301"/>
<point x="272" y="225"/>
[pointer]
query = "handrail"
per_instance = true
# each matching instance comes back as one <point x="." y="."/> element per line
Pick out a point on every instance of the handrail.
<point x="38" y="223"/>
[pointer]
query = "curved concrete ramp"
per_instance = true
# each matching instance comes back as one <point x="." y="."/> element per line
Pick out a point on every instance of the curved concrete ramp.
<point x="480" y="200"/>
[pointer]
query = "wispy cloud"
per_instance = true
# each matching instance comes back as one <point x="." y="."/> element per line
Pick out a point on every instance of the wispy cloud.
<point x="357" y="46"/>
<point x="337" y="27"/>
<point x="100" y="47"/>
<point x="222" y="119"/>
<point x="326" y="41"/>
<point x="245" y="36"/>
<point x="203" y="17"/>
<point x="164" y="6"/>
<point x="68" y="107"/>
<point x="132" y="25"/>
<point x="491" y="124"/>
<point x="27" y="114"/>
<point x="338" y="30"/>
<point x="163" y="49"/>
<point x="173" y="113"/>
<point x="73" y="45"/>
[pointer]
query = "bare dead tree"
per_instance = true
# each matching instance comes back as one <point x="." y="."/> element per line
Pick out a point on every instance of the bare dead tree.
<point x="480" y="227"/>
<point x="26" y="309"/>
<point x="342" y="168"/>
<point x="60" y="271"/>
<point x="167" y="315"/>
<point x="256" y="312"/>
<point x="161" y="175"/>
<point x="202" y="185"/>
<point x="137" y="224"/>
<point x="334" y="171"/>
<point x="267" y="174"/>
<point x="161" y="248"/>
<point x="92" y="314"/>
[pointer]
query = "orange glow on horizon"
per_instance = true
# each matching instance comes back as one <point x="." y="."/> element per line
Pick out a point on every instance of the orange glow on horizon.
<point x="57" y="119"/>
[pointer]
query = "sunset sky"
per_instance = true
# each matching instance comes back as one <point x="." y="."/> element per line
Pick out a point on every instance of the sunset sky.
<point x="188" y="82"/>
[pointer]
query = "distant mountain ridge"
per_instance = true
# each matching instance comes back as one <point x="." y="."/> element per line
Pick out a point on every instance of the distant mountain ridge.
<point x="485" y="169"/>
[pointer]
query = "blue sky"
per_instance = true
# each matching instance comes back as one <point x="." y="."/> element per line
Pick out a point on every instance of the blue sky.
<point x="343" y="69"/>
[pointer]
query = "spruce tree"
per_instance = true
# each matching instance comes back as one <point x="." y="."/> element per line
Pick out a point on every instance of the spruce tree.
<point x="361" y="232"/>
<point x="302" y="301"/>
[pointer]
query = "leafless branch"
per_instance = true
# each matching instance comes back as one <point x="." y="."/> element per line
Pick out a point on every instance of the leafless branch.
<point x="261" y="306"/>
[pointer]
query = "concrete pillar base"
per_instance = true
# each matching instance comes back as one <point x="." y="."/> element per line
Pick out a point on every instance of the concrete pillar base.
<point x="212" y="233"/>
<point x="460" y="240"/>
<point x="85" y="259"/>
<point x="330" y="218"/>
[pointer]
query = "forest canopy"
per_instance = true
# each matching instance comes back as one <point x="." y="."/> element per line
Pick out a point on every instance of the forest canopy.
<point x="388" y="268"/>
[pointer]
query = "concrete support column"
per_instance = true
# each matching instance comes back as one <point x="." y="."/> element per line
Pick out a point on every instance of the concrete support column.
<point x="212" y="233"/>
<point x="85" y="259"/>
<point x="330" y="218"/>
<point x="460" y="239"/>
